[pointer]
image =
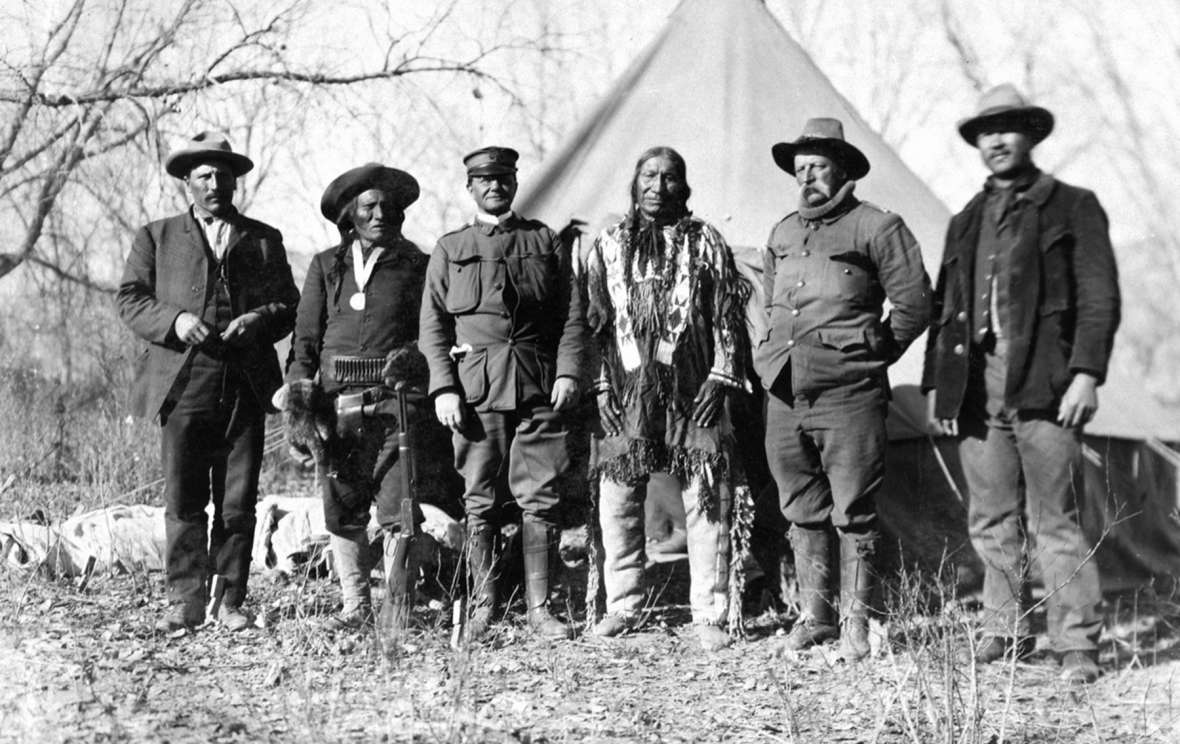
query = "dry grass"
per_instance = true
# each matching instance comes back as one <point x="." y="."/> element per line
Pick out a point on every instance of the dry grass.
<point x="87" y="666"/>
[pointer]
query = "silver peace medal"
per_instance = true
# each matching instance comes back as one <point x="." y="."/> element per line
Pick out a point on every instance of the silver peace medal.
<point x="357" y="301"/>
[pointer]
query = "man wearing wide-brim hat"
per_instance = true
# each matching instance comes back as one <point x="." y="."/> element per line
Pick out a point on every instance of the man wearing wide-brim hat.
<point x="356" y="331"/>
<point x="1026" y="308"/>
<point x="502" y="329"/>
<point x="210" y="292"/>
<point x="828" y="268"/>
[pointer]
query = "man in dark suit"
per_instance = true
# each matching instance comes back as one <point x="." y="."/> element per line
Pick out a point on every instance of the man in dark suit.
<point x="1025" y="310"/>
<point x="210" y="291"/>
<point x="502" y="331"/>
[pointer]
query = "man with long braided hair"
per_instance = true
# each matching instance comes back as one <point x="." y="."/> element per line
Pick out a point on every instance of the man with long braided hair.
<point x="360" y="303"/>
<point x="666" y="306"/>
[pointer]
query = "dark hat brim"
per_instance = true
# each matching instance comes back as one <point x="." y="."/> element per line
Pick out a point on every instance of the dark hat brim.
<point x="492" y="169"/>
<point x="854" y="162"/>
<point x="401" y="186"/>
<point x="1035" y="121"/>
<point x="180" y="163"/>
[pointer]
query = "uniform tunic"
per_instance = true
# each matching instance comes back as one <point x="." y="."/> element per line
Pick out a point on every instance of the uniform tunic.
<point x="503" y="298"/>
<point x="826" y="351"/>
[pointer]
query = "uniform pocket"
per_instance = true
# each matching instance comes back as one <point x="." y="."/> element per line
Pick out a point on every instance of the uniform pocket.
<point x="843" y="339"/>
<point x="473" y="375"/>
<point x="463" y="285"/>
<point x="537" y="276"/>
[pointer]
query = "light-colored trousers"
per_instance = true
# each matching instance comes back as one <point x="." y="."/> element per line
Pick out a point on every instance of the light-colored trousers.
<point x="621" y="517"/>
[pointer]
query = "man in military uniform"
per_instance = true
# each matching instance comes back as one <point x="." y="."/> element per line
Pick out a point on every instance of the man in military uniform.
<point x="502" y="331"/>
<point x="828" y="269"/>
<point x="1026" y="308"/>
<point x="210" y="291"/>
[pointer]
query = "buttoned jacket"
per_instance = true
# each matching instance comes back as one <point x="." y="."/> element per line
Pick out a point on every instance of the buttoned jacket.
<point x="825" y="282"/>
<point x="328" y="326"/>
<point x="503" y="297"/>
<point x="168" y="272"/>
<point x="1063" y="299"/>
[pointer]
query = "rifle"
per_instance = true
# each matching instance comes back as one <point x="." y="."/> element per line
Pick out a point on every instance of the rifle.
<point x="401" y="558"/>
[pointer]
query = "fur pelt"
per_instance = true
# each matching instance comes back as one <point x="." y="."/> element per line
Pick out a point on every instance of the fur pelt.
<point x="308" y="417"/>
<point x="406" y="364"/>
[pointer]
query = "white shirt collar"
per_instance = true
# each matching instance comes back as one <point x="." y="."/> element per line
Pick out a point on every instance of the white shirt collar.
<point x="491" y="219"/>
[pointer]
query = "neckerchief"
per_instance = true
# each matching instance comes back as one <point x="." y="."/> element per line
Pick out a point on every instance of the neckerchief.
<point x="830" y="207"/>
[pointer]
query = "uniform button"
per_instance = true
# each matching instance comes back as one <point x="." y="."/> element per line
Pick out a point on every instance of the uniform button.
<point x="992" y="257"/>
<point x="961" y="316"/>
<point x="958" y="350"/>
<point x="196" y="290"/>
<point x="790" y="342"/>
<point x="847" y="271"/>
<point x="505" y="314"/>
<point x="512" y="342"/>
<point x="805" y="253"/>
<point x="801" y="283"/>
<point x="983" y="296"/>
<point x="794" y="311"/>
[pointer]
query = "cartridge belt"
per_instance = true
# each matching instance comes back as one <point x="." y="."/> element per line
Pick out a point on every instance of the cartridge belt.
<point x="357" y="370"/>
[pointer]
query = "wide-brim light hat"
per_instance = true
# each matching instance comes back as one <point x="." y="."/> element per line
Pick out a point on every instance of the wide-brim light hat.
<point x="825" y="136"/>
<point x="1004" y="108"/>
<point x="203" y="148"/>
<point x="399" y="185"/>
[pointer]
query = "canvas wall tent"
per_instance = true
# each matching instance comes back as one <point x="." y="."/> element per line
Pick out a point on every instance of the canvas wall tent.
<point x="721" y="83"/>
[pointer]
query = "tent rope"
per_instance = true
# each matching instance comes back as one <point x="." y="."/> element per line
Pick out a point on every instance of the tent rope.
<point x="946" y="471"/>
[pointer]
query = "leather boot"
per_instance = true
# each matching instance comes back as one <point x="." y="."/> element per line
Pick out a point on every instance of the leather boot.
<point x="540" y="552"/>
<point x="812" y="545"/>
<point x="481" y="580"/>
<point x="857" y="580"/>
<point x="350" y="559"/>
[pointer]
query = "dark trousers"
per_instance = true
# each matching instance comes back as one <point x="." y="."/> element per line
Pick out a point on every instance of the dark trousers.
<point x="1024" y="474"/>
<point x="211" y="451"/>
<point x="364" y="466"/>
<point x="525" y="447"/>
<point x="827" y="454"/>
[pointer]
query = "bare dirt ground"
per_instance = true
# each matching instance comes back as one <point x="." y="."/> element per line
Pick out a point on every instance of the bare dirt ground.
<point x="87" y="666"/>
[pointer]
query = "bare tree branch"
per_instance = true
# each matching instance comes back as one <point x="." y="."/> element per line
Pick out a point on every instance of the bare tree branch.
<point x="968" y="58"/>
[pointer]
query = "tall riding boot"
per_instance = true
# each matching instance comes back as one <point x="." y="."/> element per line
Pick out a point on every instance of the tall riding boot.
<point x="351" y="560"/>
<point x="857" y="580"/>
<point x="812" y="545"/>
<point x="540" y="553"/>
<point x="481" y="580"/>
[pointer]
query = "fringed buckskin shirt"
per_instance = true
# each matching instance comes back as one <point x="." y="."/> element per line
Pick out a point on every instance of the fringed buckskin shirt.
<point x="666" y="306"/>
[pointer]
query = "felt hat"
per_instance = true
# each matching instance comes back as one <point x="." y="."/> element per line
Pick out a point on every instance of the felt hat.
<point x="1004" y="107"/>
<point x="825" y="136"/>
<point x="490" y="161"/>
<point x="401" y="186"/>
<point x="202" y="148"/>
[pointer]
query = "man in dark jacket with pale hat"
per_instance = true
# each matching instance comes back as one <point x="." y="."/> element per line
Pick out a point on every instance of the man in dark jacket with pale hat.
<point x="210" y="292"/>
<point x="1025" y="310"/>
<point x="828" y="268"/>
<point x="502" y="329"/>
